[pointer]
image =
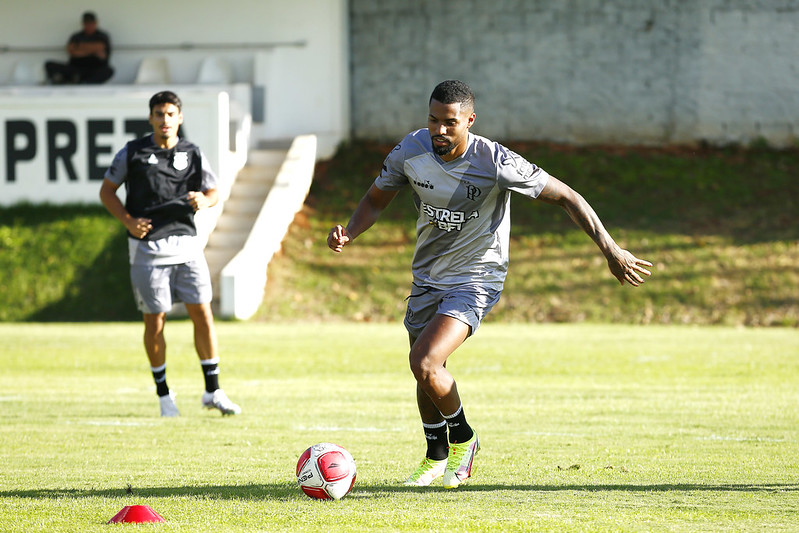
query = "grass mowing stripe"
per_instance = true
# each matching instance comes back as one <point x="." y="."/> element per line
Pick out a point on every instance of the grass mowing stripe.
<point x="583" y="427"/>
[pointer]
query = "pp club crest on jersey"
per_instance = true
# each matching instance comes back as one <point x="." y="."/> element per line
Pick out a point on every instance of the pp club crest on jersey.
<point x="181" y="160"/>
<point x="472" y="192"/>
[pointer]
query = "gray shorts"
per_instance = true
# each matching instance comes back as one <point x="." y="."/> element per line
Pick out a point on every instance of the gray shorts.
<point x="156" y="288"/>
<point x="467" y="303"/>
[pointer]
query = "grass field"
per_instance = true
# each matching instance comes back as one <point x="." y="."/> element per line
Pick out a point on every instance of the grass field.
<point x="583" y="428"/>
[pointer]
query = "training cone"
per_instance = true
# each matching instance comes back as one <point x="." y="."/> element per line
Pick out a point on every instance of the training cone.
<point x="136" y="514"/>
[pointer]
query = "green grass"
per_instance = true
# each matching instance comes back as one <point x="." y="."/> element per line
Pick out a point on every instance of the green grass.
<point x="583" y="428"/>
<point x="63" y="263"/>
<point x="721" y="227"/>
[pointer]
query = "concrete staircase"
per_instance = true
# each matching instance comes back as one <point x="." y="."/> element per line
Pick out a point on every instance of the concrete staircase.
<point x="245" y="233"/>
<point x="247" y="195"/>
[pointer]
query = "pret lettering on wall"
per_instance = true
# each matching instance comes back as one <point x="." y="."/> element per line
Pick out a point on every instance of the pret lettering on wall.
<point x="62" y="142"/>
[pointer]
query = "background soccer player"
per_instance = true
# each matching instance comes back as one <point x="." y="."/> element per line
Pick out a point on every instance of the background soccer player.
<point x="167" y="179"/>
<point x="461" y="186"/>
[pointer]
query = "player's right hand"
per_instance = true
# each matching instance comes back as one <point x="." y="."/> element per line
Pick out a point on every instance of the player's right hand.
<point x="139" y="227"/>
<point x="338" y="238"/>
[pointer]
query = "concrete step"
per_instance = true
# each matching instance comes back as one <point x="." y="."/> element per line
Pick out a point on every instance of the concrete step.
<point x="250" y="189"/>
<point x="256" y="172"/>
<point x="242" y="206"/>
<point x="217" y="259"/>
<point x="266" y="158"/>
<point x="235" y="222"/>
<point x="226" y="239"/>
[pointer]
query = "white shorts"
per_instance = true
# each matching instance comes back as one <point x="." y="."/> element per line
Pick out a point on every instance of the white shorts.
<point x="467" y="303"/>
<point x="156" y="288"/>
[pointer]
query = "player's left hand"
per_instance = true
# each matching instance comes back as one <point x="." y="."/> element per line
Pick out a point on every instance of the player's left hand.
<point x="197" y="200"/>
<point x="626" y="267"/>
<point x="338" y="238"/>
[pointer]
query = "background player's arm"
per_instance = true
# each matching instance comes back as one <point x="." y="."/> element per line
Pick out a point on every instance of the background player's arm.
<point x="203" y="199"/>
<point x="138" y="227"/>
<point x="365" y="215"/>
<point x="623" y="265"/>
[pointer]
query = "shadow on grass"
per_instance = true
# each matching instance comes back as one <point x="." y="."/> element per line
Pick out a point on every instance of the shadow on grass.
<point x="288" y="491"/>
<point x="100" y="292"/>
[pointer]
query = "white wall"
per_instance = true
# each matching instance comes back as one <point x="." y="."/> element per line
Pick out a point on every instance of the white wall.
<point x="56" y="145"/>
<point x="296" y="50"/>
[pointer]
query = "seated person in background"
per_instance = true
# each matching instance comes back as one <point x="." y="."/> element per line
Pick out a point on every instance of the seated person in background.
<point x="88" y="51"/>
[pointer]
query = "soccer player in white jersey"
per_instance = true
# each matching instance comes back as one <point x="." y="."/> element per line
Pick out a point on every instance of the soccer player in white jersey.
<point x="461" y="185"/>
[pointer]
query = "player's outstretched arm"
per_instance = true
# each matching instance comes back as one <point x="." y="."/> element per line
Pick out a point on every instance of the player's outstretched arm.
<point x="622" y="264"/>
<point x="365" y="215"/>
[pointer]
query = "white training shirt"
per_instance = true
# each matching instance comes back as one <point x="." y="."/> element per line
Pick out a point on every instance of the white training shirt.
<point x="463" y="229"/>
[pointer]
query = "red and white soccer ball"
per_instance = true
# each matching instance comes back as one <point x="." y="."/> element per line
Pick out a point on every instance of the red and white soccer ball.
<point x="326" y="471"/>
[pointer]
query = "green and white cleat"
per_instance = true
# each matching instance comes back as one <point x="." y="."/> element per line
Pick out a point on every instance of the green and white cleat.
<point x="460" y="463"/>
<point x="427" y="471"/>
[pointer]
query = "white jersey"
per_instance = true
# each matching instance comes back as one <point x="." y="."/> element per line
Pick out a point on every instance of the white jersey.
<point x="463" y="229"/>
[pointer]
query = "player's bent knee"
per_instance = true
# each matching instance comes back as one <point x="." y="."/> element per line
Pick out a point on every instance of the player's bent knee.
<point x="424" y="369"/>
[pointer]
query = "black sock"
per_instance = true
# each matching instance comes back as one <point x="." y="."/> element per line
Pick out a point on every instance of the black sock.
<point x="211" y="373"/>
<point x="436" y="437"/>
<point x="159" y="376"/>
<point x="459" y="429"/>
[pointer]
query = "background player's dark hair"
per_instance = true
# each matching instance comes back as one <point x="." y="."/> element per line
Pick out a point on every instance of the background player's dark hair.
<point x="453" y="92"/>
<point x="165" y="97"/>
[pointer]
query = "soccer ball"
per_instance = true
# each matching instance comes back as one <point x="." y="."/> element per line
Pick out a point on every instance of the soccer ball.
<point x="326" y="471"/>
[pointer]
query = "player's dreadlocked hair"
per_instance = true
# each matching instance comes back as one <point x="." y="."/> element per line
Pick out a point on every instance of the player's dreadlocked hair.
<point x="453" y="92"/>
